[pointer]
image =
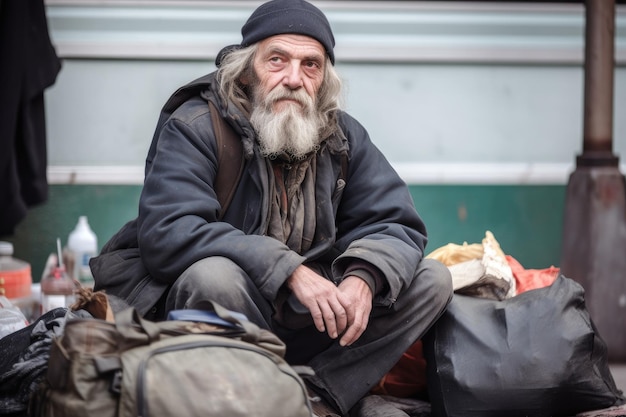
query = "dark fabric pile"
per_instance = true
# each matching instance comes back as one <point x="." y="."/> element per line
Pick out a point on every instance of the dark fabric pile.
<point x="24" y="359"/>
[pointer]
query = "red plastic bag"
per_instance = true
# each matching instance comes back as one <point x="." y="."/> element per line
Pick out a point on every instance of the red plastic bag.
<point x="531" y="279"/>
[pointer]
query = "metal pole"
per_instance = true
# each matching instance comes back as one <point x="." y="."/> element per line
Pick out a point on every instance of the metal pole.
<point x="594" y="225"/>
<point x="599" y="69"/>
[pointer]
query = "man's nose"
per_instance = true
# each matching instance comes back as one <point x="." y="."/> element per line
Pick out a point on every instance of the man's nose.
<point x="293" y="77"/>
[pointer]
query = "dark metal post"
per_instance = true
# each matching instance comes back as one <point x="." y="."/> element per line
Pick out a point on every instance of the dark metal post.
<point x="594" y="230"/>
<point x="599" y="74"/>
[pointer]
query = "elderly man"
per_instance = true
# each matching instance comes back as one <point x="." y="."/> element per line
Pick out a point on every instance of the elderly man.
<point x="320" y="243"/>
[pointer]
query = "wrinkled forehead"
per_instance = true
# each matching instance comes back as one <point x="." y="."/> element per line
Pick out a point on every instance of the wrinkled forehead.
<point x="293" y="46"/>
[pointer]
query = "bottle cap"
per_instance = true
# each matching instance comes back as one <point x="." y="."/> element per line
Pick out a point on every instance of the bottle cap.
<point x="6" y="248"/>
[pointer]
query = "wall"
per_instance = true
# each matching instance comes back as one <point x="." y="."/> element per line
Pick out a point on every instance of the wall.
<point x="477" y="105"/>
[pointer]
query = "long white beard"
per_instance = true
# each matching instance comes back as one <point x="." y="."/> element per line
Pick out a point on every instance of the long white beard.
<point x="295" y="130"/>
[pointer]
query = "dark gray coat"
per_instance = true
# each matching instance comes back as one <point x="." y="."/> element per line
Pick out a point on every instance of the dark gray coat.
<point x="368" y="217"/>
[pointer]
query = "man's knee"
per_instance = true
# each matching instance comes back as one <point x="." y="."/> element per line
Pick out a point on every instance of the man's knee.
<point x="220" y="280"/>
<point x="214" y="278"/>
<point x="435" y="281"/>
<point x="215" y="274"/>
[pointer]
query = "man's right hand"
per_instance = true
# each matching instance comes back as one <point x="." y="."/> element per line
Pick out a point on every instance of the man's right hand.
<point x="322" y="298"/>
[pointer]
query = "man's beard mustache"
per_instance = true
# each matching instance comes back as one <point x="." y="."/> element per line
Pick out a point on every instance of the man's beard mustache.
<point x="294" y="130"/>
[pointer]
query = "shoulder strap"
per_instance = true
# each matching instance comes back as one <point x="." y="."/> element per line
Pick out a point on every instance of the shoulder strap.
<point x="230" y="159"/>
<point x="229" y="148"/>
<point x="344" y="166"/>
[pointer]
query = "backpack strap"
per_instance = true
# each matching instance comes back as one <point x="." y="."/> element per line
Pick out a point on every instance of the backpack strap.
<point x="344" y="166"/>
<point x="230" y="159"/>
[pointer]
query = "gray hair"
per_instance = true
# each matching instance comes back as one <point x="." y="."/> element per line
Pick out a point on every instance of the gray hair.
<point x="238" y="65"/>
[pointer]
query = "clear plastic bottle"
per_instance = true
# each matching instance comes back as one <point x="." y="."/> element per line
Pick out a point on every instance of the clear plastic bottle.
<point x="15" y="274"/>
<point x="83" y="245"/>
<point x="57" y="289"/>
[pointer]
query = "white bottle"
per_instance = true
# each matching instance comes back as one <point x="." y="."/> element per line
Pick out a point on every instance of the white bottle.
<point x="83" y="244"/>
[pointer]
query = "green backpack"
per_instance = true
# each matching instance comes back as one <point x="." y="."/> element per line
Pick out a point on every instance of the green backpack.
<point x="227" y="367"/>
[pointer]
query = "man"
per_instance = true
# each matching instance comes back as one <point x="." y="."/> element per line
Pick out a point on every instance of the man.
<point x="327" y="255"/>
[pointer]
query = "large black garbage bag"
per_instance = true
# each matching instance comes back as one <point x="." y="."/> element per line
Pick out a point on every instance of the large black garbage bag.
<point x="536" y="354"/>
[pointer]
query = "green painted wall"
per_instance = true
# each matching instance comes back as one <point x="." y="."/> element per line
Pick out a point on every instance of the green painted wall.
<point x="107" y="208"/>
<point x="526" y="220"/>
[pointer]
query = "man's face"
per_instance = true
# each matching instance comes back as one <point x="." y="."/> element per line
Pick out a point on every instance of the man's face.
<point x="289" y="70"/>
<point x="289" y="62"/>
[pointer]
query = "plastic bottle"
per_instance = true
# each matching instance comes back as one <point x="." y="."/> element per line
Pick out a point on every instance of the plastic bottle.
<point x="83" y="244"/>
<point x="15" y="275"/>
<point x="57" y="288"/>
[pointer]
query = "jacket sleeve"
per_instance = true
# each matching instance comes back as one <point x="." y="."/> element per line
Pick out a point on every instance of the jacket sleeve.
<point x="377" y="220"/>
<point x="178" y="209"/>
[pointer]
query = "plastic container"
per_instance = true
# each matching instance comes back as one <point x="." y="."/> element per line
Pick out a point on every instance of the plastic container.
<point x="83" y="245"/>
<point x="11" y="317"/>
<point x="57" y="289"/>
<point x="15" y="274"/>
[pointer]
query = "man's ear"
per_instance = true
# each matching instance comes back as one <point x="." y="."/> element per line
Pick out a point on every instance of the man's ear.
<point x="244" y="80"/>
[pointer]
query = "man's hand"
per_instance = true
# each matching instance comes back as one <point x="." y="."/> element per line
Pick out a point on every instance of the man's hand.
<point x="334" y="309"/>
<point x="357" y="300"/>
<point x="321" y="297"/>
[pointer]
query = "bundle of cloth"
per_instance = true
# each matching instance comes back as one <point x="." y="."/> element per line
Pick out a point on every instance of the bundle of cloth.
<point x="484" y="270"/>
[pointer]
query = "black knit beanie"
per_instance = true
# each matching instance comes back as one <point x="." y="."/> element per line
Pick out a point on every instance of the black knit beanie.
<point x="277" y="17"/>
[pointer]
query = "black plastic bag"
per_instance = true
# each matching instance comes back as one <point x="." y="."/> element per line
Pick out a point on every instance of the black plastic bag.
<point x="536" y="354"/>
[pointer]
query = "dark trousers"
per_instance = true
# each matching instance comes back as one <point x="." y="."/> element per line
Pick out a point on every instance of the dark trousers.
<point x="342" y="374"/>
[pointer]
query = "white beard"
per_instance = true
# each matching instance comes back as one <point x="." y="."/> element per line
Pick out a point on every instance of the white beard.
<point x="295" y="130"/>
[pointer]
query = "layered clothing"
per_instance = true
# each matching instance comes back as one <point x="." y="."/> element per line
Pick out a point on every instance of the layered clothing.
<point x="339" y="219"/>
<point x="364" y="216"/>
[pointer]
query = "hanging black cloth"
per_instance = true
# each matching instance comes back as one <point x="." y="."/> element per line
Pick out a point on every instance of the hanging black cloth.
<point x="28" y="65"/>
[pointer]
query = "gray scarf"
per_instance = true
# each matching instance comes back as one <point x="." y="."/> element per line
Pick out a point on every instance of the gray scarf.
<point x="292" y="202"/>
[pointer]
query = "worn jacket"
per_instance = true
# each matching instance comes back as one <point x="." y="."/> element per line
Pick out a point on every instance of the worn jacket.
<point x="368" y="217"/>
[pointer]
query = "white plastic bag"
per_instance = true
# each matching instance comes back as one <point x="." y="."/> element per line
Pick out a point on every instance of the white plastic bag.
<point x="11" y="317"/>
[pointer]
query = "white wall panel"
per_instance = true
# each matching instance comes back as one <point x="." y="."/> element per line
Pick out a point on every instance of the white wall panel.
<point x="474" y="92"/>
